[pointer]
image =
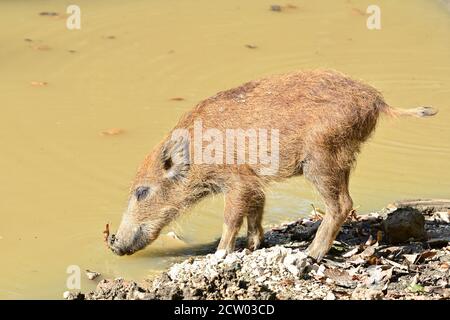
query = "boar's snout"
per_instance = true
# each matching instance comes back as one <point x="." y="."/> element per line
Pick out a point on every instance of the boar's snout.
<point x="128" y="240"/>
<point x="112" y="244"/>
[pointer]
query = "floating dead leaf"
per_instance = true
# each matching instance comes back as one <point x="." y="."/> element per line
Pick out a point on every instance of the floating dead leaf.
<point x="251" y="46"/>
<point x="28" y="40"/>
<point x="290" y="6"/>
<point x="279" y="8"/>
<point x="112" y="132"/>
<point x="39" y="83"/>
<point x="41" y="47"/>
<point x="48" y="13"/>
<point x="53" y="15"/>
<point x="177" y="99"/>
<point x="359" y="12"/>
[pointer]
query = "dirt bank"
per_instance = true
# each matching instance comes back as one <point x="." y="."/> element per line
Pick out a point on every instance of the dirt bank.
<point x="401" y="252"/>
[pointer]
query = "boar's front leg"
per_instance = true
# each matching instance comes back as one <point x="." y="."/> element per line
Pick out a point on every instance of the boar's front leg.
<point x="243" y="200"/>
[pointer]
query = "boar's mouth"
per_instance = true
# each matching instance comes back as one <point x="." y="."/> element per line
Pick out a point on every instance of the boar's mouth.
<point x="126" y="244"/>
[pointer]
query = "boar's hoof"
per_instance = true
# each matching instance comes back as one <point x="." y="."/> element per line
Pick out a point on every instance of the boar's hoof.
<point x="316" y="252"/>
<point x="221" y="254"/>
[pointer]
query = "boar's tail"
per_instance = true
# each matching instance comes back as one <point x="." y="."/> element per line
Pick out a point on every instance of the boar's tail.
<point x="419" y="112"/>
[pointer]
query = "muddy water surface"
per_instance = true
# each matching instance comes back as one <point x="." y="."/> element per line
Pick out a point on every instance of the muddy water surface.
<point x="62" y="180"/>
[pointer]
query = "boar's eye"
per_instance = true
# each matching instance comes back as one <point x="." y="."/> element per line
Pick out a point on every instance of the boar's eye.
<point x="141" y="193"/>
<point x="168" y="164"/>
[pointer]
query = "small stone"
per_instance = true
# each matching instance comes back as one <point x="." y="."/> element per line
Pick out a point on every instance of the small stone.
<point x="137" y="295"/>
<point x="321" y="271"/>
<point x="443" y="216"/>
<point x="92" y="274"/>
<point x="73" y="295"/>
<point x="174" y="271"/>
<point x="404" y="224"/>
<point x="220" y="254"/>
<point x="330" y="296"/>
<point x="295" y="263"/>
<point x="276" y="255"/>
<point x="230" y="259"/>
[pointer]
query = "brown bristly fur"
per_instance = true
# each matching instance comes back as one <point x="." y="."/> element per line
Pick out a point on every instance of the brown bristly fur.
<point x="323" y="117"/>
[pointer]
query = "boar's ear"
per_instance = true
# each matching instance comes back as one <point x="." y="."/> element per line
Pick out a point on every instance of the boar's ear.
<point x="175" y="157"/>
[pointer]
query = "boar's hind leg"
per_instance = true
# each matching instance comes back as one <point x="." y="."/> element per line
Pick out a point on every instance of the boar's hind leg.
<point x="255" y="231"/>
<point x="332" y="185"/>
<point x="242" y="201"/>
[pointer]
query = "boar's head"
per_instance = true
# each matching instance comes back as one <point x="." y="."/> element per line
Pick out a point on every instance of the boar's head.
<point x="161" y="189"/>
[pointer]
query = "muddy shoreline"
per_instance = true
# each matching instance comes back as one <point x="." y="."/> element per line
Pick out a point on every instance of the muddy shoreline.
<point x="400" y="252"/>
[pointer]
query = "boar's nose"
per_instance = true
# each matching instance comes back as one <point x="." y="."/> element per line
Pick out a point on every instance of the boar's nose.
<point x="128" y="241"/>
<point x="113" y="245"/>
